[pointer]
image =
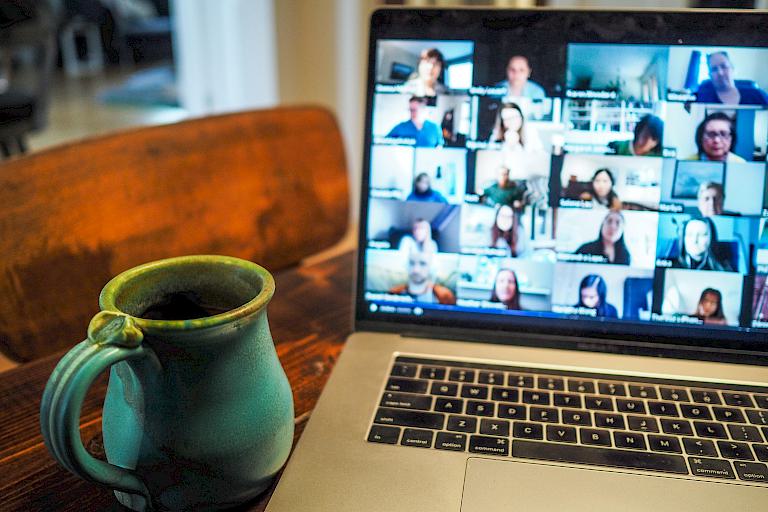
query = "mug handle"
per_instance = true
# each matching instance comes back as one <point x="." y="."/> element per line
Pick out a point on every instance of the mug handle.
<point x="112" y="337"/>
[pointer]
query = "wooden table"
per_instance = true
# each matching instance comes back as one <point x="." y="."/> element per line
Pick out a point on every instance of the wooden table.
<point x="310" y="316"/>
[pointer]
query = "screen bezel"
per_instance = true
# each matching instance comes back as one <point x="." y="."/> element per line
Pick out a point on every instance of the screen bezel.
<point x="682" y="27"/>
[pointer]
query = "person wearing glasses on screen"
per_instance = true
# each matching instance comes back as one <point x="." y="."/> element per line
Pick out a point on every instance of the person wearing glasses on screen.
<point x="710" y="307"/>
<point x="697" y="238"/>
<point x="723" y="88"/>
<point x="610" y="241"/>
<point x="426" y="80"/>
<point x="518" y="83"/>
<point x="506" y="290"/>
<point x="420" y="285"/>
<point x="647" y="141"/>
<point x="418" y="127"/>
<point x="592" y="295"/>
<point x="715" y="138"/>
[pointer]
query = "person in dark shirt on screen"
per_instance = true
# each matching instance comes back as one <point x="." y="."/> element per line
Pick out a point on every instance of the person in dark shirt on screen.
<point x="610" y="242"/>
<point x="722" y="86"/>
<point x="423" y="191"/>
<point x="418" y="127"/>
<point x="504" y="191"/>
<point x="592" y="295"/>
<point x="697" y="238"/>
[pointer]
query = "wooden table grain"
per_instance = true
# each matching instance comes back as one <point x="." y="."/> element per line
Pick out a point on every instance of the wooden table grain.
<point x="310" y="317"/>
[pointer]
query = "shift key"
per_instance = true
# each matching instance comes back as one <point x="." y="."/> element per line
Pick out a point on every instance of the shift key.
<point x="409" y="418"/>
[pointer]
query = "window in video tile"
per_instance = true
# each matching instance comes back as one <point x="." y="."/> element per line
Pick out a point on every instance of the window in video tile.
<point x="697" y="297"/>
<point x="424" y="68"/>
<point x="410" y="225"/>
<point x="726" y="75"/>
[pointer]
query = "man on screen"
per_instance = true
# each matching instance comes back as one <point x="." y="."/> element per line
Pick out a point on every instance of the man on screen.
<point x="418" y="127"/>
<point x="518" y="81"/>
<point x="710" y="199"/>
<point x="504" y="191"/>
<point x="420" y="285"/>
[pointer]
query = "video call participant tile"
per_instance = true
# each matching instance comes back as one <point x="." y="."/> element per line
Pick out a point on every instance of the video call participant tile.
<point x="700" y="297"/>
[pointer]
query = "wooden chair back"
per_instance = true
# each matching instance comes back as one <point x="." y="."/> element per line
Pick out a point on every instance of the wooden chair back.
<point x="269" y="186"/>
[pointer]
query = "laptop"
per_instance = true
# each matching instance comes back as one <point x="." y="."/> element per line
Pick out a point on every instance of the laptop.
<point x="561" y="300"/>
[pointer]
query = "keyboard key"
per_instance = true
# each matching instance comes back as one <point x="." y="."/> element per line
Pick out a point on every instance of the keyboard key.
<point x="476" y="408"/>
<point x="444" y="389"/>
<point x="598" y="403"/>
<point x="536" y="397"/>
<point x="679" y="427"/>
<point x="452" y="442"/>
<point x="695" y="412"/>
<point x="418" y="438"/>
<point x="384" y="434"/>
<point x="705" y="397"/>
<point x="664" y="444"/>
<point x="561" y="434"/>
<point x="712" y="468"/>
<point x="403" y="370"/>
<point x="663" y="408"/>
<point x="761" y="450"/>
<point x="643" y="423"/>
<point x="406" y="401"/>
<point x="630" y="406"/>
<point x="505" y="394"/>
<point x="703" y="447"/>
<point x="477" y="392"/>
<point x="733" y="450"/>
<point x="761" y="401"/>
<point x="709" y="429"/>
<point x="550" y="383"/>
<point x="407" y="418"/>
<point x="492" y="378"/>
<point x="581" y="386"/>
<point x="629" y="440"/>
<point x="527" y="430"/>
<point x="752" y="471"/>
<point x="611" y="388"/>
<point x="567" y="400"/>
<point x="452" y="405"/>
<point x="745" y="433"/>
<point x="461" y="375"/>
<point x="432" y="372"/>
<point x="630" y="459"/>
<point x="575" y="417"/>
<point x="512" y="412"/>
<point x="489" y="445"/>
<point x="595" y="436"/>
<point x="738" y="399"/>
<point x="642" y="391"/>
<point x="674" y="394"/>
<point x="520" y="381"/>
<point x="605" y="420"/>
<point x="462" y="424"/>
<point x="728" y="414"/>
<point x="407" y="385"/>
<point x="544" y="414"/>
<point x="757" y="417"/>
<point x="494" y="427"/>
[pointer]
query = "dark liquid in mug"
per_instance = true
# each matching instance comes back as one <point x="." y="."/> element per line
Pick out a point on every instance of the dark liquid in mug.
<point x="182" y="306"/>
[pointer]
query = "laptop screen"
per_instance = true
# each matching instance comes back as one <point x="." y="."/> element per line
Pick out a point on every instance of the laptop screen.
<point x="568" y="172"/>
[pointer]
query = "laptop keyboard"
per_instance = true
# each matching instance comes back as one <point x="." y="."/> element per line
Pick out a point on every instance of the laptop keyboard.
<point x="680" y="427"/>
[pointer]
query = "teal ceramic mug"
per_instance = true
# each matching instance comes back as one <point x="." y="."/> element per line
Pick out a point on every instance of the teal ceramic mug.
<point x="198" y="412"/>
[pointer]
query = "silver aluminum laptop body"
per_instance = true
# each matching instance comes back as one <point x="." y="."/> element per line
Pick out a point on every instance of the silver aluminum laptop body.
<point x="336" y="468"/>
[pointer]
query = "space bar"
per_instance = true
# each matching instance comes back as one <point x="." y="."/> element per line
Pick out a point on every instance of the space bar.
<point x="599" y="456"/>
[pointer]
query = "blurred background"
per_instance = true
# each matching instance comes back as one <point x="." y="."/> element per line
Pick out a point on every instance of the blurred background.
<point x="71" y="69"/>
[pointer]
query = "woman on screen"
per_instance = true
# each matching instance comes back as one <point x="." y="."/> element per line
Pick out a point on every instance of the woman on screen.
<point x="423" y="191"/>
<point x="723" y="88"/>
<point x="592" y="292"/>
<point x="505" y="289"/>
<point x="715" y="138"/>
<point x="601" y="191"/>
<point x="710" y="307"/>
<point x="697" y="237"/>
<point x="649" y="134"/>
<point x="426" y="80"/>
<point x="420" y="239"/>
<point x="512" y="131"/>
<point x="610" y="242"/>
<point x="507" y="232"/>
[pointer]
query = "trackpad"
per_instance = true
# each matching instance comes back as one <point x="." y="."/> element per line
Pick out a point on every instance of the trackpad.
<point x="496" y="485"/>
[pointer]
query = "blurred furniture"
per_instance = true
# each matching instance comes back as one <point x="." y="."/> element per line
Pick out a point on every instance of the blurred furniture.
<point x="93" y="59"/>
<point x="27" y="51"/>
<point x="310" y="316"/>
<point x="268" y="186"/>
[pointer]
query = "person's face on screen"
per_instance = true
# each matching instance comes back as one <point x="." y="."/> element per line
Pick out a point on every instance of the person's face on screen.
<point x="602" y="184"/>
<point x="518" y="71"/>
<point x="697" y="239"/>
<point x="418" y="268"/>
<point x="417" y="111"/>
<point x="613" y="227"/>
<point x="505" y="218"/>
<point x="709" y="304"/>
<point x="589" y="297"/>
<point x="716" y="139"/>
<point x="429" y="70"/>
<point x="503" y="177"/>
<point x="513" y="121"/>
<point x="720" y="71"/>
<point x="710" y="202"/>
<point x="421" y="231"/>
<point x="644" y="143"/>
<point x="422" y="185"/>
<point x="506" y="288"/>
